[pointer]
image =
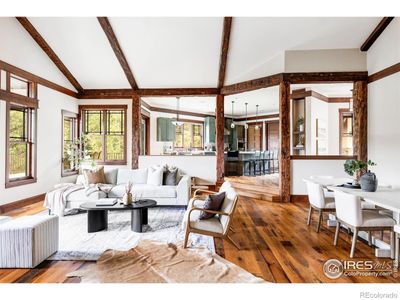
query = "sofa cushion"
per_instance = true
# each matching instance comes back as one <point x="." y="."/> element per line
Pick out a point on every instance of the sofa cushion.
<point x="94" y="176"/>
<point x="138" y="176"/>
<point x="213" y="224"/>
<point x="145" y="191"/>
<point x="155" y="176"/>
<point x="111" y="176"/>
<point x="170" y="175"/>
<point x="4" y="219"/>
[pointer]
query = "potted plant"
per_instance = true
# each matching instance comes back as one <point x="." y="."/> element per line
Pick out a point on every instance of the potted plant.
<point x="300" y="123"/>
<point x="357" y="168"/>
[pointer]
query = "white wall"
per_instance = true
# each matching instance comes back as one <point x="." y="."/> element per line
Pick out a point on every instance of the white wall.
<point x="303" y="169"/>
<point x="384" y="106"/>
<point x="48" y="146"/>
<point x="19" y="49"/>
<point x="335" y="60"/>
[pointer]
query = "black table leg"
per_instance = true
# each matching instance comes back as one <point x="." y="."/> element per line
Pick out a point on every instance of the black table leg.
<point x="145" y="218"/>
<point x="97" y="220"/>
<point x="137" y="220"/>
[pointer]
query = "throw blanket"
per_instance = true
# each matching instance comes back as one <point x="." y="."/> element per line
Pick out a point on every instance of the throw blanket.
<point x="56" y="199"/>
<point x="156" y="262"/>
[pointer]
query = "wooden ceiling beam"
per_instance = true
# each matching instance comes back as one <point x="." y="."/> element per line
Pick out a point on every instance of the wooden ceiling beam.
<point x="105" y="24"/>
<point x="106" y="94"/>
<point x="224" y="51"/>
<point x="324" y="77"/>
<point x="252" y="85"/>
<point x="376" y="33"/>
<point x="166" y="92"/>
<point x="49" y="51"/>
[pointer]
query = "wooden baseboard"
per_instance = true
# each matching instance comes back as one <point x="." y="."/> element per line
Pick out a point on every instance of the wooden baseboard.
<point x="21" y="203"/>
<point x="299" y="198"/>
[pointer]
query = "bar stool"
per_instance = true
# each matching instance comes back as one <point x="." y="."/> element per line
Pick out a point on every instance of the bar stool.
<point x="257" y="163"/>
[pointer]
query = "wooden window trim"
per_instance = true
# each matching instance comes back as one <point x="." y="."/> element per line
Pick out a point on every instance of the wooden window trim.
<point x="343" y="111"/>
<point x="75" y="134"/>
<point x="322" y="157"/>
<point x="104" y="109"/>
<point x="192" y="122"/>
<point x="32" y="160"/>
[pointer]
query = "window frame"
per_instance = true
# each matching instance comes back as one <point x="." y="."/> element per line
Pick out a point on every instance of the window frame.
<point x="104" y="109"/>
<point x="73" y="117"/>
<point x="31" y="141"/>
<point x="192" y="123"/>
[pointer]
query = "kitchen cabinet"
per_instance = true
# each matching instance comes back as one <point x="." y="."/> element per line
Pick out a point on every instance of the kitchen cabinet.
<point x="165" y="130"/>
<point x="209" y="130"/>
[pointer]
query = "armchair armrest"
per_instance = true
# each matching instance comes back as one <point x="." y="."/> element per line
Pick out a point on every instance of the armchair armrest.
<point x="200" y="191"/>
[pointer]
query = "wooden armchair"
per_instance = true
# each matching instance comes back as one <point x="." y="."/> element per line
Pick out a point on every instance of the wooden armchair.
<point x="226" y="185"/>
<point x="217" y="226"/>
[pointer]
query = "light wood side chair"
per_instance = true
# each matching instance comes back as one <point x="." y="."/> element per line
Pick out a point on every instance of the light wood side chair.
<point x="318" y="202"/>
<point x="217" y="226"/>
<point x="350" y="213"/>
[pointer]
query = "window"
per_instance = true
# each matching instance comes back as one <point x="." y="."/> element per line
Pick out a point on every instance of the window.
<point x="105" y="130"/>
<point x="21" y="145"/>
<point x="69" y="147"/>
<point x="346" y="132"/>
<point x="189" y="135"/>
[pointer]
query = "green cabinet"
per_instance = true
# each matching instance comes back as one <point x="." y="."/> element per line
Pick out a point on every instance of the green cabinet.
<point x="230" y="135"/>
<point x="165" y="130"/>
<point x="209" y="130"/>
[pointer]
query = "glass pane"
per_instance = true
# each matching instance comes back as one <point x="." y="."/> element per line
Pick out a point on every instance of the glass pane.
<point x="197" y="136"/>
<point x="115" y="147"/>
<point x="347" y="125"/>
<point x="187" y="137"/>
<point x="19" y="86"/>
<point x="94" y="121"/>
<point x="115" y="122"/>
<point x="67" y="129"/>
<point x="142" y="137"/>
<point x="17" y="124"/>
<point x="347" y="145"/>
<point x="94" y="146"/>
<point x="178" y="136"/>
<point x="18" y="160"/>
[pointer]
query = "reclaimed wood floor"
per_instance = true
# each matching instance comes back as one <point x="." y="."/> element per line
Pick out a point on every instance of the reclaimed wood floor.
<point x="276" y="244"/>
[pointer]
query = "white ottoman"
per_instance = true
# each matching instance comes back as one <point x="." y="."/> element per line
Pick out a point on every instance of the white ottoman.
<point x="27" y="241"/>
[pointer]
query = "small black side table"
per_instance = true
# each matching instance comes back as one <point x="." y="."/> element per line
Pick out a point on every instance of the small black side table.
<point x="98" y="215"/>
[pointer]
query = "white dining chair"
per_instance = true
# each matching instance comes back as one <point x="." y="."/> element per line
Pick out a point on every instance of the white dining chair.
<point x="318" y="201"/>
<point x="350" y="213"/>
<point x="396" y="229"/>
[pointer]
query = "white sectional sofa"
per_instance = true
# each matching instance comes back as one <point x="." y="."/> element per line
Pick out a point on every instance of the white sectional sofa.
<point x="167" y="195"/>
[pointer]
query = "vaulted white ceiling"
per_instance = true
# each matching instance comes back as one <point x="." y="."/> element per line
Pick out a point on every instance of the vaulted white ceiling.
<point x="184" y="52"/>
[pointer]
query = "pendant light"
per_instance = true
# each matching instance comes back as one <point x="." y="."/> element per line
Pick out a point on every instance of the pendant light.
<point x="176" y="122"/>
<point x="246" y="126"/>
<point x="257" y="127"/>
<point x="232" y="124"/>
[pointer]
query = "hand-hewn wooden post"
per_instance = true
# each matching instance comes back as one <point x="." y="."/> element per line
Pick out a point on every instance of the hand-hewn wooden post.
<point x="360" y="113"/>
<point x="284" y="138"/>
<point x="136" y="117"/>
<point x="220" y="125"/>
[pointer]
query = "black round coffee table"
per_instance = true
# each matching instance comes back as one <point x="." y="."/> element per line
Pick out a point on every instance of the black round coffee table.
<point x="98" y="215"/>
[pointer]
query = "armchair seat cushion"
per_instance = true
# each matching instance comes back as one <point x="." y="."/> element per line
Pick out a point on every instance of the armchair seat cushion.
<point x="375" y="219"/>
<point x="213" y="224"/>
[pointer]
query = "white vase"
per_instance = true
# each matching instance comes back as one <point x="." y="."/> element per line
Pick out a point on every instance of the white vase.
<point x="301" y="127"/>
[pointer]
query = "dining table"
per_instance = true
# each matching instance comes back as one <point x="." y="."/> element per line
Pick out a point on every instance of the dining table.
<point x="383" y="198"/>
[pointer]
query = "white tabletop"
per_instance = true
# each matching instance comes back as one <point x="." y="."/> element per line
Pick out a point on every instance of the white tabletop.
<point x="328" y="181"/>
<point x="384" y="197"/>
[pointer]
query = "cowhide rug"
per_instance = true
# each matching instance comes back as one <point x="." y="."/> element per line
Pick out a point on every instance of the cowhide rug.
<point x="157" y="262"/>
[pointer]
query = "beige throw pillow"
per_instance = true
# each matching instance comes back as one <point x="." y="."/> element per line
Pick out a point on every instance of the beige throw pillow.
<point x="94" y="176"/>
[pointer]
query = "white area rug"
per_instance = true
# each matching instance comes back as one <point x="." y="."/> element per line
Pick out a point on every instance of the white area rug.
<point x="164" y="225"/>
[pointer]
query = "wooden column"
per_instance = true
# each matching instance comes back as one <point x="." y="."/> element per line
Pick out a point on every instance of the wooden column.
<point x="284" y="140"/>
<point x="136" y="117"/>
<point x="360" y="111"/>
<point x="219" y="127"/>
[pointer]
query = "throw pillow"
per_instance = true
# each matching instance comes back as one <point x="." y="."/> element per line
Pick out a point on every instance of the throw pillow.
<point x="212" y="202"/>
<point x="94" y="176"/>
<point x="170" y="175"/>
<point x="155" y="176"/>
